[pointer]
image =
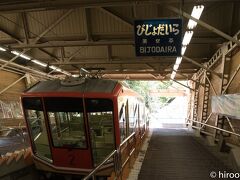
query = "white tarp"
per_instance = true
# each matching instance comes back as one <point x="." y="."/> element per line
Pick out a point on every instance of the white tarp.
<point x="228" y="105"/>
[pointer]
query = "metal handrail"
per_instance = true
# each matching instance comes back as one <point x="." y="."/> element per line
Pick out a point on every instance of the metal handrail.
<point x="125" y="140"/>
<point x="118" y="166"/>
<point x="214" y="127"/>
<point x="94" y="171"/>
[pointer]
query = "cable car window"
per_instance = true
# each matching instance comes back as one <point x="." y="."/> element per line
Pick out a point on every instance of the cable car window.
<point x="38" y="132"/>
<point x="122" y="124"/>
<point x="100" y="117"/>
<point x="66" y="122"/>
<point x="133" y="117"/>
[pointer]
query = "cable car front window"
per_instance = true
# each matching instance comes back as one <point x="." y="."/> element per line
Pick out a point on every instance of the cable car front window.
<point x="66" y="122"/>
<point x="37" y="127"/>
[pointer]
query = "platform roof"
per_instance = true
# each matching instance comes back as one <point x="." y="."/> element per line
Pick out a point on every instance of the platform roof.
<point x="97" y="35"/>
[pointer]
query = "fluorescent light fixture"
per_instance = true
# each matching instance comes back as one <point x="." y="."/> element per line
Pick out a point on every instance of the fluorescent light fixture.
<point x="53" y="67"/>
<point x="173" y="75"/>
<point x="39" y="63"/>
<point x="183" y="50"/>
<point x="187" y="38"/>
<point x="175" y="67"/>
<point x="75" y="75"/>
<point x="60" y="70"/>
<point x="178" y="60"/>
<point x="56" y="68"/>
<point x="21" y="55"/>
<point x="2" y="49"/>
<point x="196" y="13"/>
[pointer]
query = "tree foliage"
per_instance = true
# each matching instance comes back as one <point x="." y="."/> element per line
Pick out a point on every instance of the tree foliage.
<point x="144" y="87"/>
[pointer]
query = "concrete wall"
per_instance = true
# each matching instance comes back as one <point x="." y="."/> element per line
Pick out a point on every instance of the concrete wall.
<point x="10" y="110"/>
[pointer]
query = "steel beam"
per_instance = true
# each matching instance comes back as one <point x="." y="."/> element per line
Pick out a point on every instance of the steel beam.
<point x="27" y="69"/>
<point x="9" y="7"/>
<point x="106" y="37"/>
<point x="62" y="54"/>
<point x="152" y="67"/>
<point x="230" y="124"/>
<point x="19" y="72"/>
<point x="42" y="34"/>
<point x="156" y="76"/>
<point x="88" y="28"/>
<point x="53" y="42"/>
<point x="109" y="53"/>
<point x="231" y="79"/>
<point x="219" y="120"/>
<point x="105" y="61"/>
<point x="56" y="22"/>
<point x="200" y="65"/>
<point x="118" y="16"/>
<point x="132" y="77"/>
<point x="203" y="24"/>
<point x="72" y="44"/>
<point x="13" y="69"/>
<point x="25" y="27"/>
<point x="187" y="77"/>
<point x="207" y="120"/>
<point x="11" y="35"/>
<point x="131" y="72"/>
<point x="20" y="41"/>
<point x="49" y="54"/>
<point x="13" y="59"/>
<point x="73" y="55"/>
<point x="182" y="84"/>
<point x="211" y="86"/>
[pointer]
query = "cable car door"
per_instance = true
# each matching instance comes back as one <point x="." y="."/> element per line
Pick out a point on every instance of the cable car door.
<point x="70" y="145"/>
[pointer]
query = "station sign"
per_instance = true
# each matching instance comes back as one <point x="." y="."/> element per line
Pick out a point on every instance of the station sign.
<point x="158" y="37"/>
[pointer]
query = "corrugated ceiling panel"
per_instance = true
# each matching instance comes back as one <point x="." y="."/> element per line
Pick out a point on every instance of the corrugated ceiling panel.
<point x="83" y="52"/>
<point x="103" y="23"/>
<point x="146" y="11"/>
<point x="217" y="16"/>
<point x="123" y="51"/>
<point x="93" y="52"/>
<point x="69" y="51"/>
<point x="124" y="11"/>
<point x="73" y="24"/>
<point x="12" y="23"/>
<point x="40" y="55"/>
<point x="40" y="21"/>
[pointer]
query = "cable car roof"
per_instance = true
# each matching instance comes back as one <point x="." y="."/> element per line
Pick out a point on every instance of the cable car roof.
<point x="74" y="85"/>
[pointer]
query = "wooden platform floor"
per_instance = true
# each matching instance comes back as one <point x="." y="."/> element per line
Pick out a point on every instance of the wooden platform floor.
<point x="174" y="154"/>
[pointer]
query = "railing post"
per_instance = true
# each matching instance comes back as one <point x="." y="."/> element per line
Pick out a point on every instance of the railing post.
<point x="120" y="162"/>
<point x="129" y="152"/>
<point x="135" y="146"/>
